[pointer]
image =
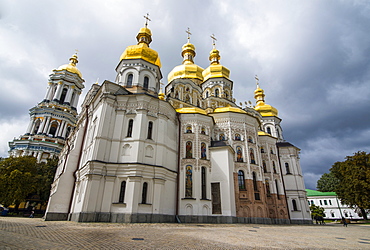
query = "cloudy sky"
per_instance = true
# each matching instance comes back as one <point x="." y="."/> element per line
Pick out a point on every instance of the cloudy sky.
<point x="312" y="58"/>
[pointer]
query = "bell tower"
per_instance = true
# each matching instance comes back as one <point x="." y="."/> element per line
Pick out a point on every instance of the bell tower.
<point x="54" y="118"/>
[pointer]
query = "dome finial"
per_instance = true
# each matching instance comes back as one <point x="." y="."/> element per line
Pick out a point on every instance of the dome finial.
<point x="189" y="34"/>
<point x="257" y="79"/>
<point x="213" y="41"/>
<point x="74" y="59"/>
<point x="147" y="19"/>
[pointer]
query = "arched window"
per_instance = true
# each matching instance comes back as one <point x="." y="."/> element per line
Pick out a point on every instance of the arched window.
<point x="144" y="193"/>
<point x="129" y="80"/>
<point x="277" y="189"/>
<point x="189" y="182"/>
<point x="207" y="94"/>
<point x="226" y="94"/>
<point x="237" y="137"/>
<point x="250" y="139"/>
<point x="255" y="187"/>
<point x="294" y="203"/>
<point x="262" y="150"/>
<point x="204" y="190"/>
<point x="189" y="129"/>
<point x="122" y="192"/>
<point x="53" y="128"/>
<point x="264" y="166"/>
<point x="241" y="180"/>
<point x="129" y="129"/>
<point x="63" y="95"/>
<point x="203" y="131"/>
<point x="187" y="99"/>
<point x="150" y="130"/>
<point x="37" y="126"/>
<point x="271" y="151"/>
<point x="217" y="92"/>
<point x="146" y="82"/>
<point x="189" y="150"/>
<point x="269" y="130"/>
<point x="222" y="137"/>
<point x="287" y="169"/>
<point x="203" y="151"/>
<point x="274" y="167"/>
<point x="239" y="154"/>
<point x="253" y="160"/>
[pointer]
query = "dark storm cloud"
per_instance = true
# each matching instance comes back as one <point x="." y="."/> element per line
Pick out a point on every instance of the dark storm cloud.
<point x="312" y="58"/>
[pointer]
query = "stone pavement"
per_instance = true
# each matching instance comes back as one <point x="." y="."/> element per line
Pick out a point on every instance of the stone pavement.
<point x="34" y="233"/>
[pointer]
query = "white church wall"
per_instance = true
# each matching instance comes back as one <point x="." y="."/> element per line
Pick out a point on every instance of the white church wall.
<point x="222" y="160"/>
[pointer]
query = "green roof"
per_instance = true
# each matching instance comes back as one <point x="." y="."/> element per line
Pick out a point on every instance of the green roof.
<point x="318" y="193"/>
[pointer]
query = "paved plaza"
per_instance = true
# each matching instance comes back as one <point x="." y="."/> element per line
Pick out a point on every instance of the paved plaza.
<point x="35" y="233"/>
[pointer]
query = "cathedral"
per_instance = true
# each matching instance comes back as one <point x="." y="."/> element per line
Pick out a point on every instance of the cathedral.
<point x="188" y="153"/>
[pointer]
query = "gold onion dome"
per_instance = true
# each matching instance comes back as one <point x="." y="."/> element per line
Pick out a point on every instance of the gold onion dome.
<point x="263" y="108"/>
<point x="142" y="50"/>
<point x="215" y="69"/>
<point x="71" y="66"/>
<point x="187" y="69"/>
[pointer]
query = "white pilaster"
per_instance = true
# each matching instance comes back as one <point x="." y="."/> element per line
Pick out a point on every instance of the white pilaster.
<point x="46" y="128"/>
<point x="60" y="128"/>
<point x="69" y="95"/>
<point x="59" y="91"/>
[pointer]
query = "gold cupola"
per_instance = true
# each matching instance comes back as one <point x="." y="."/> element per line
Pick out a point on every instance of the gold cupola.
<point x="187" y="69"/>
<point x="263" y="108"/>
<point x="215" y="69"/>
<point x="142" y="50"/>
<point x="71" y="66"/>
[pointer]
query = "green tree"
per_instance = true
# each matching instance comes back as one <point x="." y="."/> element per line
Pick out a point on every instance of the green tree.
<point x="24" y="176"/>
<point x="353" y="176"/>
<point x="327" y="183"/>
<point x="317" y="211"/>
<point x="17" y="179"/>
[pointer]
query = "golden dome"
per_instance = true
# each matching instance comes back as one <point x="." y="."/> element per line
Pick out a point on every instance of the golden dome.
<point x="161" y="95"/>
<point x="187" y="69"/>
<point x="71" y="66"/>
<point x="263" y="108"/>
<point x="191" y="111"/>
<point x="142" y="50"/>
<point x="215" y="69"/>
<point x="229" y="109"/>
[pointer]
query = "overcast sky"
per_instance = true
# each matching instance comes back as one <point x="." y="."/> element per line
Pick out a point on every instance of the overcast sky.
<point x="312" y="59"/>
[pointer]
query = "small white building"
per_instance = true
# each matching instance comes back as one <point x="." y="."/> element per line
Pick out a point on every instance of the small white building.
<point x="334" y="209"/>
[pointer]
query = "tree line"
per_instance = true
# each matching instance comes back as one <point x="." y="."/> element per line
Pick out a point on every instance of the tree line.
<point x="22" y="177"/>
<point x="350" y="180"/>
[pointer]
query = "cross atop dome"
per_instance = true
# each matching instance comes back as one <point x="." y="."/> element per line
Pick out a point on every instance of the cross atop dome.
<point x="213" y="40"/>
<point x="257" y="79"/>
<point x="189" y="34"/>
<point x="147" y="19"/>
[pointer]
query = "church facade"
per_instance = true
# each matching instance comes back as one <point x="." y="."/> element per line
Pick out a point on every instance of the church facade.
<point x="190" y="154"/>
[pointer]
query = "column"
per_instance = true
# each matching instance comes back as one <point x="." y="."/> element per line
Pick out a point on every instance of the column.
<point x="46" y="128"/>
<point x="75" y="100"/>
<point x="69" y="95"/>
<point x="63" y="133"/>
<point x="41" y="128"/>
<point x="30" y="126"/>
<point x="48" y="92"/>
<point x="59" y="129"/>
<point x="59" y="91"/>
